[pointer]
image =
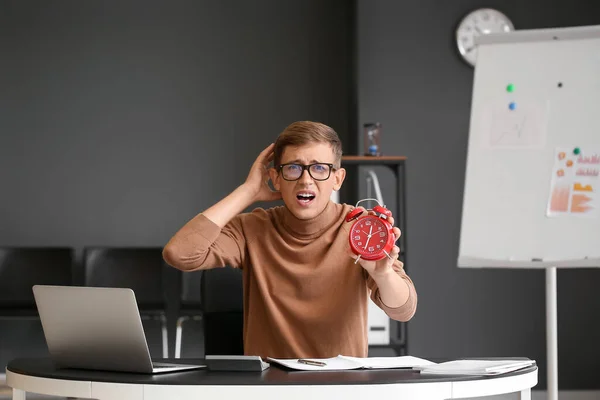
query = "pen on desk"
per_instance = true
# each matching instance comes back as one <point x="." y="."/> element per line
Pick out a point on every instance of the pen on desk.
<point x="312" y="362"/>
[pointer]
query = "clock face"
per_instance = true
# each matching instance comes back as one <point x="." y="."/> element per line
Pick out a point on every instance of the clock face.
<point x="479" y="22"/>
<point x="369" y="236"/>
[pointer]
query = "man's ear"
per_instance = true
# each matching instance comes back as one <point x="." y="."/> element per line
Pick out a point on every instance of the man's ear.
<point x="339" y="177"/>
<point x="274" y="178"/>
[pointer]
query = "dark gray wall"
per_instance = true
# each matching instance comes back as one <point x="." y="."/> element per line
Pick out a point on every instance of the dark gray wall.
<point x="412" y="80"/>
<point x="122" y="120"/>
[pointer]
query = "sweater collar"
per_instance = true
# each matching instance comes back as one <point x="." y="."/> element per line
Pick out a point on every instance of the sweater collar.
<point x="311" y="228"/>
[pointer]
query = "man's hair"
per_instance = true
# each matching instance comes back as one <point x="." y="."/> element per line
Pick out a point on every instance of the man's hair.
<point x="307" y="132"/>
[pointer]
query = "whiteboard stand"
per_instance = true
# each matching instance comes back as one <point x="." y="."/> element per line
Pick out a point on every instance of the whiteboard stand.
<point x="551" y="334"/>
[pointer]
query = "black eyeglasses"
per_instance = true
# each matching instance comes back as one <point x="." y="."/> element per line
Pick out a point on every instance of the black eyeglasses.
<point x="317" y="171"/>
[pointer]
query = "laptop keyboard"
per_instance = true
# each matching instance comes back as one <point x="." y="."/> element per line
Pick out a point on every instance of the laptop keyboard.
<point x="164" y="365"/>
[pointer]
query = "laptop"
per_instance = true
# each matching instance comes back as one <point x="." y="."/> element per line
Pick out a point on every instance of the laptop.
<point x="96" y="328"/>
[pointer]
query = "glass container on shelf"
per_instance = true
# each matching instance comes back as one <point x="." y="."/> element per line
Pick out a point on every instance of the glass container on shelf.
<point x="372" y="136"/>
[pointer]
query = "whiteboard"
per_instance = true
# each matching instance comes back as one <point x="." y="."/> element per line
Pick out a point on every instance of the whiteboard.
<point x="532" y="190"/>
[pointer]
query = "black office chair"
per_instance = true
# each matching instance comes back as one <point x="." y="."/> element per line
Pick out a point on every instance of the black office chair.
<point x="23" y="267"/>
<point x="190" y="304"/>
<point x="223" y="311"/>
<point x="140" y="269"/>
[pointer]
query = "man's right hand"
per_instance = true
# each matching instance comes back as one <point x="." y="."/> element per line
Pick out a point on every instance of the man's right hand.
<point x="257" y="183"/>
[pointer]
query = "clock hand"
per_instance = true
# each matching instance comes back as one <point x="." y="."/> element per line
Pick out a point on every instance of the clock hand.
<point x="369" y="237"/>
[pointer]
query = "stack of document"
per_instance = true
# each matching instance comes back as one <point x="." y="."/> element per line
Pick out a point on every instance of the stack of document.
<point x="477" y="367"/>
<point x="346" y="363"/>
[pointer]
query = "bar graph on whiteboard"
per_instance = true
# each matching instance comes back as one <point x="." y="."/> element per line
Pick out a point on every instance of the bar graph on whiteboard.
<point x="575" y="183"/>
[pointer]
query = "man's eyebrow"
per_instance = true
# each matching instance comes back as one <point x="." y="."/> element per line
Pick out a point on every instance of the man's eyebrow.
<point x="297" y="161"/>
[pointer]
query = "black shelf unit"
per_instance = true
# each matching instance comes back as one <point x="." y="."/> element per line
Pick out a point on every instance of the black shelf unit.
<point x="350" y="194"/>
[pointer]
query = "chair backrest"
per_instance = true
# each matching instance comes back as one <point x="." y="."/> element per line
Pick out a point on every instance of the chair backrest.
<point x="23" y="267"/>
<point x="141" y="269"/>
<point x="223" y="311"/>
<point x="191" y="288"/>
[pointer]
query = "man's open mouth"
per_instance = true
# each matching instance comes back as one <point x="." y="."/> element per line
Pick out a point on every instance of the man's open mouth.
<point x="305" y="197"/>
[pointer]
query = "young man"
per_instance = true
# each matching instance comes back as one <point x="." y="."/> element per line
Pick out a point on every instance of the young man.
<point x="304" y="296"/>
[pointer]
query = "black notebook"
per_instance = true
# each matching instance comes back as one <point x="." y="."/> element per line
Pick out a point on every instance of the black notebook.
<point x="235" y="363"/>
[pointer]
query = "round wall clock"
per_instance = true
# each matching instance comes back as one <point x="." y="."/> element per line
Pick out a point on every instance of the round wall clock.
<point x="479" y="22"/>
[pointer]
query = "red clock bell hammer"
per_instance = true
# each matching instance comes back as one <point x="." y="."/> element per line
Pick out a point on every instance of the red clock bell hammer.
<point x="371" y="236"/>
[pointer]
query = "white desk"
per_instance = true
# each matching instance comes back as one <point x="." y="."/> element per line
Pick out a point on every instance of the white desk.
<point x="40" y="376"/>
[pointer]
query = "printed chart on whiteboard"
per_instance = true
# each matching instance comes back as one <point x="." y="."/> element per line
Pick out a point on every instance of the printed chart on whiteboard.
<point x="575" y="183"/>
<point x="515" y="126"/>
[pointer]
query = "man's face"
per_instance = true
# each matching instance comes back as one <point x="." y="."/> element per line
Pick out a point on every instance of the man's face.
<point x="307" y="197"/>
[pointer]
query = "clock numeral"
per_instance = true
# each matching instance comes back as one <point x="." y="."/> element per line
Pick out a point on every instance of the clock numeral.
<point x="357" y="237"/>
<point x="378" y="246"/>
<point x="371" y="248"/>
<point x="381" y="234"/>
<point x="359" y="244"/>
<point x="367" y="223"/>
<point x="382" y="241"/>
<point x="357" y="231"/>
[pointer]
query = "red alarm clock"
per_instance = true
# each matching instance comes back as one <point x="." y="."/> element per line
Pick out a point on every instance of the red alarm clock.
<point x="371" y="236"/>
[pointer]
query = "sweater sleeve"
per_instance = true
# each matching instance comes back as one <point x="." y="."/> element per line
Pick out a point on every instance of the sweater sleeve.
<point x="406" y="311"/>
<point x="208" y="246"/>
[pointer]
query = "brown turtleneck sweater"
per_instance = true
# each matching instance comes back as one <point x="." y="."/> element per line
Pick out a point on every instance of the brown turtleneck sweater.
<point x="303" y="294"/>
